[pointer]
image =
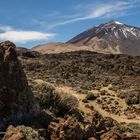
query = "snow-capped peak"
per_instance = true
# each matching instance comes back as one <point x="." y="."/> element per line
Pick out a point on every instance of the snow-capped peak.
<point x="115" y="22"/>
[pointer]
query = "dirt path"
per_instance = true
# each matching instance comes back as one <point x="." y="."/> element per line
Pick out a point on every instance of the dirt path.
<point x="104" y="113"/>
<point x="80" y="97"/>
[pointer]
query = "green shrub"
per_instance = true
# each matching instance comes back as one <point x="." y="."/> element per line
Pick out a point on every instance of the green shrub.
<point x="47" y="96"/>
<point x="57" y="100"/>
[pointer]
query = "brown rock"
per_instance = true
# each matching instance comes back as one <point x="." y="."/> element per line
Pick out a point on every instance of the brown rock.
<point x="98" y="121"/>
<point x="90" y="131"/>
<point x="68" y="129"/>
<point x="110" y="135"/>
<point x="110" y="123"/>
<point x="16" y="136"/>
<point x="92" y="138"/>
<point x="16" y="99"/>
<point x="131" y="136"/>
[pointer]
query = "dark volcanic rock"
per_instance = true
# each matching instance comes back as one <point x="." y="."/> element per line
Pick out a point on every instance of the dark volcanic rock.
<point x="27" y="52"/>
<point x="16" y="98"/>
<point x="85" y="70"/>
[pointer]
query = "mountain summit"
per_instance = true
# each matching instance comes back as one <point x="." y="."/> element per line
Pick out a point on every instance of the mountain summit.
<point x="112" y="37"/>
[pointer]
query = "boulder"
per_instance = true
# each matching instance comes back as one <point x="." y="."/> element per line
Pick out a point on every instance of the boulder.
<point x="16" y="98"/>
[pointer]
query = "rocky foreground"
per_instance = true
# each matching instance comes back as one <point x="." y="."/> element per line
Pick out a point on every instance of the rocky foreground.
<point x="42" y="111"/>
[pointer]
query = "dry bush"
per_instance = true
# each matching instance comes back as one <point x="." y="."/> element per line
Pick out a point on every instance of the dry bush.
<point x="131" y="96"/>
<point x="22" y="132"/>
<point x="55" y="99"/>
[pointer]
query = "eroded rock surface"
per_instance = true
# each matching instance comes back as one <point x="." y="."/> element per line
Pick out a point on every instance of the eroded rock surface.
<point x="68" y="129"/>
<point x="16" y="98"/>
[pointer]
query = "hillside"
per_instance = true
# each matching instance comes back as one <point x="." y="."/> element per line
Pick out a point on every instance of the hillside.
<point x="58" y="47"/>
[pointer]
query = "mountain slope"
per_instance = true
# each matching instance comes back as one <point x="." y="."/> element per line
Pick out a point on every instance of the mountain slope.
<point x="112" y="37"/>
<point x="59" y="47"/>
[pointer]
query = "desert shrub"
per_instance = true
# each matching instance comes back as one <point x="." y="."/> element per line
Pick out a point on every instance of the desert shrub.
<point x="124" y="128"/>
<point x="47" y="96"/>
<point x="122" y="94"/>
<point x="66" y="101"/>
<point x="28" y="132"/>
<point x="91" y="96"/>
<point x="133" y="98"/>
<point x="130" y="96"/>
<point x="134" y="126"/>
<point x="55" y="99"/>
<point x="131" y="127"/>
<point x="85" y="100"/>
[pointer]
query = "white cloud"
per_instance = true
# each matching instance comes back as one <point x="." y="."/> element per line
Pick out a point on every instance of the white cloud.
<point x="107" y="10"/>
<point x="21" y="36"/>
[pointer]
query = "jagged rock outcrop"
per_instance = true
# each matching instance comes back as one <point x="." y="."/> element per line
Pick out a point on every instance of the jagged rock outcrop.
<point x="71" y="129"/>
<point x="66" y="129"/>
<point x="16" y="98"/>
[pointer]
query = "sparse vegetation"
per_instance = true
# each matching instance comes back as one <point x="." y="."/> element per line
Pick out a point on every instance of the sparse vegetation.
<point x="85" y="100"/>
<point x="23" y="132"/>
<point x="131" y="96"/>
<point x="91" y="96"/>
<point x="131" y="127"/>
<point x="54" y="99"/>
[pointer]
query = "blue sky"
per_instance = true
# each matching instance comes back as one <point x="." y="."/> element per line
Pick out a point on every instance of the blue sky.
<point x="31" y="22"/>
